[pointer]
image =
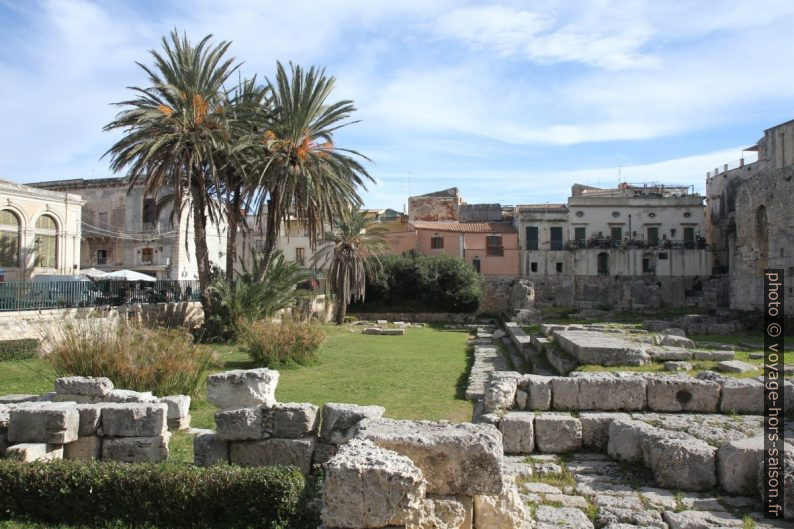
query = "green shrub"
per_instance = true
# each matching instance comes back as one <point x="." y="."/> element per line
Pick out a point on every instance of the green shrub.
<point x="423" y="283"/>
<point x="163" y="361"/>
<point x="282" y="343"/>
<point x="161" y="495"/>
<point x="18" y="349"/>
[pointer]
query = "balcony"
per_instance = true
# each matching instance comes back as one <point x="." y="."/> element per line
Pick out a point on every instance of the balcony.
<point x="606" y="243"/>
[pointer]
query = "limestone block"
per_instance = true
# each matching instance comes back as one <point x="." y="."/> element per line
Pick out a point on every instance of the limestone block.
<point x="567" y="517"/>
<point x="16" y="398"/>
<point x="677" y="366"/>
<point x="625" y="440"/>
<point x="239" y="424"/>
<point x="323" y="452"/>
<point x="611" y="392"/>
<point x="372" y="330"/>
<point x="500" y="394"/>
<point x="439" y="512"/>
<point x="682" y="393"/>
<point x="558" y="433"/>
<point x="84" y="448"/>
<point x="136" y="449"/>
<point x="86" y="386"/>
<point x="240" y="388"/>
<point x="680" y="463"/>
<point x="77" y="399"/>
<point x="664" y="354"/>
<point x="51" y="423"/>
<point x="28" y="452"/>
<point x="392" y="332"/>
<point x="339" y="420"/>
<point x="290" y="420"/>
<point x="564" y="393"/>
<point x="270" y="452"/>
<point x="539" y="388"/>
<point x="674" y="331"/>
<point x="517" y="433"/>
<point x="786" y="482"/>
<point x="742" y="395"/>
<point x="714" y="355"/>
<point x="178" y="406"/>
<point x="595" y="429"/>
<point x="737" y="465"/>
<point x="676" y="341"/>
<point x="382" y="322"/>
<point x="182" y="423"/>
<point x="701" y="519"/>
<point x="736" y="366"/>
<point x="122" y="396"/>
<point x="209" y="449"/>
<point x="522" y="397"/>
<point x="90" y="419"/>
<point x="600" y="348"/>
<point x="499" y="334"/>
<point x="134" y="420"/>
<point x="505" y="510"/>
<point x="457" y="459"/>
<point x="366" y="486"/>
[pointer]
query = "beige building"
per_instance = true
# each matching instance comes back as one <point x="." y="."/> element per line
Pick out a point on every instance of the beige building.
<point x="123" y="228"/>
<point x="39" y="231"/>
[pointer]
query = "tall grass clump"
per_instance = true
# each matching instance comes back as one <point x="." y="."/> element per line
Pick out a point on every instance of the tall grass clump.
<point x="284" y="343"/>
<point x="163" y="361"/>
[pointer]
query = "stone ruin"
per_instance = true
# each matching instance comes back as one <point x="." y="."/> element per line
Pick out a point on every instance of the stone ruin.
<point x="87" y="419"/>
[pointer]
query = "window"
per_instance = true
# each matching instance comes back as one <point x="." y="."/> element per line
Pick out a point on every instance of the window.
<point x="300" y="256"/>
<point x="147" y="256"/>
<point x="532" y="237"/>
<point x="46" y="242"/>
<point x="689" y="237"/>
<point x="533" y="267"/>
<point x="580" y="236"/>
<point x="555" y="236"/>
<point x="617" y="233"/>
<point x="662" y="256"/>
<point x="149" y="211"/>
<point x="436" y="242"/>
<point x="101" y="257"/>
<point x="476" y="264"/>
<point x="648" y="264"/>
<point x="653" y="235"/>
<point x="603" y="264"/>
<point x="9" y="239"/>
<point x="493" y="245"/>
<point x="559" y="268"/>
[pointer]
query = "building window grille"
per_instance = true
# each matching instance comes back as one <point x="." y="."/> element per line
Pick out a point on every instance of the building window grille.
<point x="493" y="245"/>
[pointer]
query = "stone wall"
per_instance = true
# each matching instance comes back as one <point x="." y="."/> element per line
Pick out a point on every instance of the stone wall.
<point x="419" y="317"/>
<point x="496" y="294"/>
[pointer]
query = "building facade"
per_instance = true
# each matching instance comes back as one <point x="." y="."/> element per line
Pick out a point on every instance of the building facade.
<point x="40" y="232"/>
<point x="124" y="228"/>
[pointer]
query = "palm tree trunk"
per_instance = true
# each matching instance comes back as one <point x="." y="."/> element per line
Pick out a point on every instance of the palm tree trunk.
<point x="233" y="219"/>
<point x="341" y="306"/>
<point x="200" y="239"/>
<point x="271" y="234"/>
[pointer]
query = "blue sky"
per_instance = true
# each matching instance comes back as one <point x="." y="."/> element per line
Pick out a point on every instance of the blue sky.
<point x="511" y="102"/>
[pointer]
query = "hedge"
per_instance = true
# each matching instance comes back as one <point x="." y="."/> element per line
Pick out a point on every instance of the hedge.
<point x="18" y="349"/>
<point x="148" y="494"/>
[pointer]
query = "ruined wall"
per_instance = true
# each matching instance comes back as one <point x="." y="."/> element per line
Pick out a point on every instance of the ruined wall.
<point x="496" y="293"/>
<point x="433" y="208"/>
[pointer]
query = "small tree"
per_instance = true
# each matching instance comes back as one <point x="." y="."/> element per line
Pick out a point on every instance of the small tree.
<point x="353" y="259"/>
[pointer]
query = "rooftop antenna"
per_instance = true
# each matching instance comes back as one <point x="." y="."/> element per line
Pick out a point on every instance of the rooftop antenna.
<point x="620" y="175"/>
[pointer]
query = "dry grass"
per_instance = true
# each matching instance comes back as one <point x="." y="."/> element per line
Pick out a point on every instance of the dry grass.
<point x="282" y="343"/>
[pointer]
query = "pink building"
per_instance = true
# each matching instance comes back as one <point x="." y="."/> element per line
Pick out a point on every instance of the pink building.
<point x="491" y="247"/>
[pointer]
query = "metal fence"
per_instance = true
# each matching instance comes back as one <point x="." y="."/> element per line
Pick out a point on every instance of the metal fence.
<point x="32" y="295"/>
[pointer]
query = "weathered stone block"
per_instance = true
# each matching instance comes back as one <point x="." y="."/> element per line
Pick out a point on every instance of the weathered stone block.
<point x="28" y="452"/>
<point x="567" y="517"/>
<point x="323" y="452"/>
<point x="77" y="399"/>
<point x="241" y="388"/>
<point x="136" y="449"/>
<point x="736" y="366"/>
<point x="372" y="330"/>
<point x="505" y="510"/>
<point x="366" y="486"/>
<point x="682" y="393"/>
<point x="393" y="332"/>
<point x="625" y="440"/>
<point x="290" y="420"/>
<point x="339" y="420"/>
<point x="714" y="355"/>
<point x="134" y="420"/>
<point x="90" y="419"/>
<point x="676" y="341"/>
<point x="84" y="448"/>
<point x="742" y="395"/>
<point x="522" y="398"/>
<point x="209" y="449"/>
<point x="239" y="424"/>
<point x="539" y="388"/>
<point x="564" y="393"/>
<point x="51" y="423"/>
<point x="182" y="423"/>
<point x="595" y="429"/>
<point x="86" y="386"/>
<point x="500" y="394"/>
<point x="440" y="512"/>
<point x="611" y="392"/>
<point x="178" y="406"/>
<point x="664" y="354"/>
<point x="269" y="452"/>
<point x="123" y="396"/>
<point x="17" y="398"/>
<point x="676" y="366"/>
<point x="737" y="465"/>
<point x="601" y="348"/>
<point x="680" y="462"/>
<point x="518" y="436"/>
<point x="458" y="459"/>
<point x="558" y="433"/>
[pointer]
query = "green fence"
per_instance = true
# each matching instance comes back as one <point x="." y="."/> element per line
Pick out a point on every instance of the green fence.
<point x="32" y="295"/>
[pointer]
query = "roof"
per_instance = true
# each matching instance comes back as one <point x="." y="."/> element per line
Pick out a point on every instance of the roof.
<point x="465" y="227"/>
<point x="452" y="192"/>
<point x="542" y="207"/>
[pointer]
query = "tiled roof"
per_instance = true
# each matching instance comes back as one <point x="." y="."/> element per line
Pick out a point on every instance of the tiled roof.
<point x="541" y="207"/>
<point x="465" y="227"/>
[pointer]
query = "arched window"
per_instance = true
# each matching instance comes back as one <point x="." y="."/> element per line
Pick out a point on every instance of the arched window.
<point x="603" y="264"/>
<point x="46" y="242"/>
<point x="9" y="239"/>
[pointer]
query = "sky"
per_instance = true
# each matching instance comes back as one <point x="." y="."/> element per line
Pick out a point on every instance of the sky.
<point x="511" y="102"/>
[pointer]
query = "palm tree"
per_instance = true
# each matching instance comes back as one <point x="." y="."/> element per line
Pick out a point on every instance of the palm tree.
<point x="353" y="258"/>
<point x="174" y="129"/>
<point x="303" y="174"/>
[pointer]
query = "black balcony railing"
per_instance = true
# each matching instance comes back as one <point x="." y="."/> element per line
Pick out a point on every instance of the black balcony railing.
<point x="606" y="243"/>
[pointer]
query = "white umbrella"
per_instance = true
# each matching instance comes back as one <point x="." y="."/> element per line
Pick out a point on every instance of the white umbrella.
<point x="94" y="273"/>
<point x="129" y="275"/>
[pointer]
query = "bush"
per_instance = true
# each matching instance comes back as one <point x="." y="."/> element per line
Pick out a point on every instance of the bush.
<point x="282" y="343"/>
<point x="18" y="349"/>
<point x="420" y="283"/>
<point x="160" y="495"/>
<point x="163" y="361"/>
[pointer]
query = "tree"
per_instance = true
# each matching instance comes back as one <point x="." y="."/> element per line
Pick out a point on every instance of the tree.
<point x="353" y="258"/>
<point x="173" y="131"/>
<point x="303" y="174"/>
